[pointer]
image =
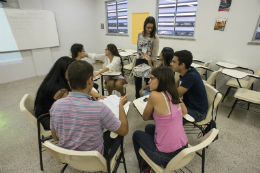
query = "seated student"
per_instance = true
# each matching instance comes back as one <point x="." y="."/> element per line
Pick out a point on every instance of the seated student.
<point x="78" y="122"/>
<point x="54" y="87"/>
<point x="114" y="63"/>
<point x="166" y="56"/>
<point x="78" y="53"/>
<point x="190" y="86"/>
<point x="160" y="141"/>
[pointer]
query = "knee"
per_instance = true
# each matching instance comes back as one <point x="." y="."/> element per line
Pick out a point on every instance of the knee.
<point x="110" y="83"/>
<point x="118" y="85"/>
<point x="136" y="134"/>
<point x="149" y="127"/>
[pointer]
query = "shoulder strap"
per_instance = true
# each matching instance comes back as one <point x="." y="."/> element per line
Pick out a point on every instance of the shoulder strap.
<point x="166" y="102"/>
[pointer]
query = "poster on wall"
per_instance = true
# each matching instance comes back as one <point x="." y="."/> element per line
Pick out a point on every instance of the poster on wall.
<point x="220" y="24"/>
<point x="137" y="24"/>
<point x="224" y="5"/>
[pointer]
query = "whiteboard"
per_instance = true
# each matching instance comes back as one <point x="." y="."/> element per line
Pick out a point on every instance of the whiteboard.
<point x="27" y="29"/>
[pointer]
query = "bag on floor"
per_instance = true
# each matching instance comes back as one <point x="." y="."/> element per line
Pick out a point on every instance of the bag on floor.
<point x="142" y="70"/>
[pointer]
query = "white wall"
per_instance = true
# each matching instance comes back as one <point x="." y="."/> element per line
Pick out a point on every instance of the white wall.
<point x="229" y="45"/>
<point x="75" y="24"/>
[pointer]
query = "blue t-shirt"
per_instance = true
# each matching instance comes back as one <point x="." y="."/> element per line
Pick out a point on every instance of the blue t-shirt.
<point x="196" y="96"/>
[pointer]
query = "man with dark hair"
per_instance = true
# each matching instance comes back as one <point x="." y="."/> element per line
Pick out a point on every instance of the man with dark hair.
<point x="190" y="86"/>
<point x="78" y="122"/>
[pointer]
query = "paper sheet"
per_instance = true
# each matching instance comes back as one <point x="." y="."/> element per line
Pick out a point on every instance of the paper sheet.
<point x="111" y="101"/>
<point x="144" y="105"/>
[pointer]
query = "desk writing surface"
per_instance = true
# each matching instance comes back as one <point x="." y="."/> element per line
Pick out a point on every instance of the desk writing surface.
<point x="111" y="74"/>
<point x="138" y="102"/>
<point x="235" y="73"/>
<point x="226" y="65"/>
<point x="195" y="65"/>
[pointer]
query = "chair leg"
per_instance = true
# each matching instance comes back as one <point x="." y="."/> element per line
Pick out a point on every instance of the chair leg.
<point x="248" y="105"/>
<point x="123" y="154"/>
<point x="141" y="167"/>
<point x="233" y="108"/>
<point x="226" y="93"/>
<point x="203" y="160"/>
<point x="40" y="150"/>
<point x="63" y="169"/>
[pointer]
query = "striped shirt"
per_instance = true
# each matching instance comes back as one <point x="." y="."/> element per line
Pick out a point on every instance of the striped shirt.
<point x="79" y="122"/>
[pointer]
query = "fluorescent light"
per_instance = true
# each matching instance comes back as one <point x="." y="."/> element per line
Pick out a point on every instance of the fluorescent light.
<point x="169" y="5"/>
<point x="122" y="9"/>
<point x="111" y="11"/>
<point x="122" y="17"/>
<point x="186" y="14"/>
<point x="166" y="14"/>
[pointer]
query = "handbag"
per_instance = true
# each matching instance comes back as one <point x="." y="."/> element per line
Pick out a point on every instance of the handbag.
<point x="142" y="70"/>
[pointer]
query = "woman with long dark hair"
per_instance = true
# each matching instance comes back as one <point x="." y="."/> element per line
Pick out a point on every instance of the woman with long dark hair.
<point x="78" y="52"/>
<point x="147" y="44"/>
<point x="164" y="140"/>
<point x="53" y="87"/>
<point x="166" y="56"/>
<point x="114" y="63"/>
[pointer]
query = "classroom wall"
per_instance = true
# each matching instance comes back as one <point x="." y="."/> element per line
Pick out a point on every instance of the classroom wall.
<point x="75" y="24"/>
<point x="229" y="45"/>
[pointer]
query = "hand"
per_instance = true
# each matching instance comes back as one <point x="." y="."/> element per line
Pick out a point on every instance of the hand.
<point x="96" y="95"/>
<point x="146" y="56"/>
<point x="95" y="75"/>
<point x="123" y="100"/>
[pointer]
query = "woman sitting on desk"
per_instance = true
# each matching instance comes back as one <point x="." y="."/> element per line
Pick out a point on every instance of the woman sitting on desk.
<point x="164" y="140"/>
<point x="166" y="56"/>
<point x="114" y="63"/>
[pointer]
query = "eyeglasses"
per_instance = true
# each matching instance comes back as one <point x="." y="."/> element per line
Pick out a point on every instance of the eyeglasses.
<point x="152" y="78"/>
<point x="149" y="28"/>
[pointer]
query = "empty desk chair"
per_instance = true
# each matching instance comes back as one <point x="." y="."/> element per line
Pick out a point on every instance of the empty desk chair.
<point x="203" y="71"/>
<point x="130" y="66"/>
<point x="212" y="78"/>
<point x="232" y="83"/>
<point x="185" y="156"/>
<point x="244" y="94"/>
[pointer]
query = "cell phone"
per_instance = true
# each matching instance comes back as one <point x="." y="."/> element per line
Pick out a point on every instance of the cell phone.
<point x="145" y="99"/>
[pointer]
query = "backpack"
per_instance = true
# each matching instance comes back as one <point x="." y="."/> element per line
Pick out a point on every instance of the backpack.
<point x="142" y="70"/>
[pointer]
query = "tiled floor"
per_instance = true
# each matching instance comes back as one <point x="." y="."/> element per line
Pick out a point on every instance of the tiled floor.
<point x="237" y="149"/>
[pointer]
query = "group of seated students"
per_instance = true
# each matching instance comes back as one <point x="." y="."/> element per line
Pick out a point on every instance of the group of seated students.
<point x="77" y="120"/>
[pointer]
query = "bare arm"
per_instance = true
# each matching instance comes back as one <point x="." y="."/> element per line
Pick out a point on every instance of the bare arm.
<point x="148" y="58"/>
<point x="181" y="90"/>
<point x="148" y="111"/>
<point x="95" y="95"/>
<point x="62" y="93"/>
<point x="123" y="129"/>
<point x="54" y="136"/>
<point x="141" y="90"/>
<point x="183" y="108"/>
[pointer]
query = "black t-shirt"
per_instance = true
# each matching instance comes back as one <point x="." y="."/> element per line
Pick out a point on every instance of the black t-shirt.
<point x="196" y="96"/>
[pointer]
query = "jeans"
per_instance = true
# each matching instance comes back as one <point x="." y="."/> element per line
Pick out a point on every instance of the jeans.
<point x="95" y="85"/>
<point x="111" y="145"/>
<point x="195" y="114"/>
<point x="145" y="140"/>
<point x="145" y="92"/>
<point x="138" y="80"/>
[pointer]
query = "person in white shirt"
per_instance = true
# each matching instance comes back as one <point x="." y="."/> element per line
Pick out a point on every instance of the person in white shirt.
<point x="114" y="63"/>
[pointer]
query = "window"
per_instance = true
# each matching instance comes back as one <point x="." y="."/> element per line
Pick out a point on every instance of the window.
<point x="117" y="17"/>
<point x="177" y="17"/>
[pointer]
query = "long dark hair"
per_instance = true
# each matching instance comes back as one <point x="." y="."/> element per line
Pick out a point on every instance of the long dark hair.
<point x="167" y="54"/>
<point x="150" y="19"/>
<point x="44" y="96"/>
<point x="113" y="49"/>
<point x="165" y="75"/>
<point x="75" y="49"/>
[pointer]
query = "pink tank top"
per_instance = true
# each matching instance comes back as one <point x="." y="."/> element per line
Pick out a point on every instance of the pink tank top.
<point x="169" y="132"/>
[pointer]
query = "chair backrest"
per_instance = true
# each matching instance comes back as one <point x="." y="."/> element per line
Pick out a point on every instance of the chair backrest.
<point x="213" y="77"/>
<point x="133" y="62"/>
<point x="89" y="161"/>
<point x="187" y="154"/>
<point x="211" y="93"/>
<point x="202" y="70"/>
<point x="27" y="107"/>
<point x="252" y="79"/>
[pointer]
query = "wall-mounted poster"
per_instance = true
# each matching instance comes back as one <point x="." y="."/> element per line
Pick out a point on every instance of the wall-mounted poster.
<point x="220" y="24"/>
<point x="224" y="5"/>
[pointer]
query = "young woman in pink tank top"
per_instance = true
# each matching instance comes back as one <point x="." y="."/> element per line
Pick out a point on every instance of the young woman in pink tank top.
<point x="164" y="140"/>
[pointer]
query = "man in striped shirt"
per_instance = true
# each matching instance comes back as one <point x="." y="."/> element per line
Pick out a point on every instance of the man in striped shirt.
<point x="78" y="122"/>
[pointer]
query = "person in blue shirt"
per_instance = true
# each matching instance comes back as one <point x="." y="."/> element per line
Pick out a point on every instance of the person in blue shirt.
<point x="190" y="86"/>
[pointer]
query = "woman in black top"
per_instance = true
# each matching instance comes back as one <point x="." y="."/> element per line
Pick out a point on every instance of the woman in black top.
<point x="53" y="87"/>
